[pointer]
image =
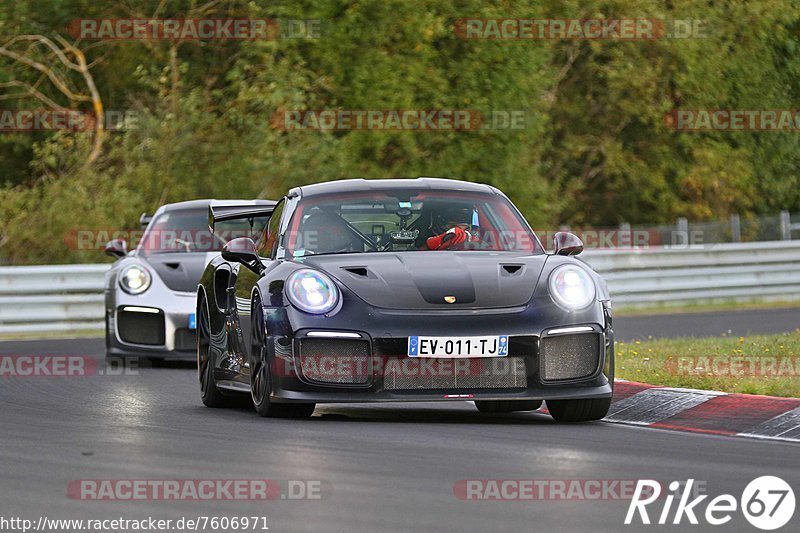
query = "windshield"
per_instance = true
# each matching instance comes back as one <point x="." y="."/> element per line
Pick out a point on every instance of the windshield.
<point x="187" y="231"/>
<point x="407" y="220"/>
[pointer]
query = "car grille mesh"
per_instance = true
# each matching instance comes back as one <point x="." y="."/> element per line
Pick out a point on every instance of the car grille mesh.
<point x="141" y="328"/>
<point x="406" y="373"/>
<point x="335" y="361"/>
<point x="569" y="356"/>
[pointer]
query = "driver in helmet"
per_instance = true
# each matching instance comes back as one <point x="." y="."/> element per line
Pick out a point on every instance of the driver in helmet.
<point x="452" y="227"/>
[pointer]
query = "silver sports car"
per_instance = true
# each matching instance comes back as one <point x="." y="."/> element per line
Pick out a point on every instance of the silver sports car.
<point x="150" y="291"/>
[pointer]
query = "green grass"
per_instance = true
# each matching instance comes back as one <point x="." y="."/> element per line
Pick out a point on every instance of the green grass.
<point x="758" y="364"/>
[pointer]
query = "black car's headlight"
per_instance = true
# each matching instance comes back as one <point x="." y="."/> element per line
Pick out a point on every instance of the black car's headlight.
<point x="135" y="279"/>
<point x="571" y="287"/>
<point x="312" y="291"/>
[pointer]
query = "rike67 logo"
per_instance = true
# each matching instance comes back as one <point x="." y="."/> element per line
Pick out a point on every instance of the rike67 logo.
<point x="767" y="503"/>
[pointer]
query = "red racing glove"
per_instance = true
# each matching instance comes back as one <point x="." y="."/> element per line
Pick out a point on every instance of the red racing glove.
<point x="448" y="239"/>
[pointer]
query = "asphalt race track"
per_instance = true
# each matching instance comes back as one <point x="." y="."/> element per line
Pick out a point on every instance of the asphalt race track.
<point x="708" y="324"/>
<point x="381" y="468"/>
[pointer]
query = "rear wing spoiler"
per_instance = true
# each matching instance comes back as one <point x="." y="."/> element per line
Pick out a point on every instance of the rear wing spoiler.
<point x="219" y="213"/>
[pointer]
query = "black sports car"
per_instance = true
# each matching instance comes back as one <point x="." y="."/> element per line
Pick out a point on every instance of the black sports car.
<point x="402" y="290"/>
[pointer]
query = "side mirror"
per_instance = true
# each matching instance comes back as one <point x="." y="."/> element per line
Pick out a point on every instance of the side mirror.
<point x="116" y="248"/>
<point x="243" y="250"/>
<point x="565" y="243"/>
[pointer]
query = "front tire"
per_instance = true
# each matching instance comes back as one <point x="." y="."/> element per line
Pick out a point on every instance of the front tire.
<point x="583" y="410"/>
<point x="209" y="393"/>
<point x="507" y="406"/>
<point x="261" y="377"/>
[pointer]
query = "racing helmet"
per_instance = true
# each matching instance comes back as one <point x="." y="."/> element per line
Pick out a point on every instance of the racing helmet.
<point x="449" y="215"/>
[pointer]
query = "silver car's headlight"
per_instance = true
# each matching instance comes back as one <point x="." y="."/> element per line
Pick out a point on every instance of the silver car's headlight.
<point x="134" y="279"/>
<point x="571" y="287"/>
<point x="312" y="291"/>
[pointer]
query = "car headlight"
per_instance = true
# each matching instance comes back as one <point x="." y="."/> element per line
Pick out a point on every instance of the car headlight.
<point x="134" y="279"/>
<point x="571" y="287"/>
<point x="312" y="291"/>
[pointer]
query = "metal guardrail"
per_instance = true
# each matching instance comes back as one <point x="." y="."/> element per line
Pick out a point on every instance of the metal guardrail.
<point x="70" y="297"/>
<point x="732" y="272"/>
<point x="51" y="298"/>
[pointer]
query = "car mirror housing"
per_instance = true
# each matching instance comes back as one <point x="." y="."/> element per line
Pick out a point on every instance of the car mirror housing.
<point x="243" y="250"/>
<point x="116" y="248"/>
<point x="566" y="243"/>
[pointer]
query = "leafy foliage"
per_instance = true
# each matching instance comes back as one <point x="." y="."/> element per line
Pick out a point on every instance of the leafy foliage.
<point x="595" y="149"/>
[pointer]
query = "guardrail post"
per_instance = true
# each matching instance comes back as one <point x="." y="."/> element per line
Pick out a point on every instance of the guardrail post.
<point x="736" y="228"/>
<point x="624" y="239"/>
<point x="681" y="233"/>
<point x="786" y="226"/>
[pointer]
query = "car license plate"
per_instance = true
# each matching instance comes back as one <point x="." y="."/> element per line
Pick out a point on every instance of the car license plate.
<point x="491" y="346"/>
<point x="193" y="321"/>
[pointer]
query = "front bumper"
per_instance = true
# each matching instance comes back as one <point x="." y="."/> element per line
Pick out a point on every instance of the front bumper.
<point x="149" y="326"/>
<point x="525" y="373"/>
<point x="394" y="377"/>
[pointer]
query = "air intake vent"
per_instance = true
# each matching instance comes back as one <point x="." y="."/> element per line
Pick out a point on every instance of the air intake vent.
<point x="335" y="361"/>
<point x="512" y="269"/>
<point x="569" y="357"/>
<point x="141" y="328"/>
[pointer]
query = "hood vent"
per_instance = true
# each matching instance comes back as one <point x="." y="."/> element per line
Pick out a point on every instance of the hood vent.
<point x="357" y="271"/>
